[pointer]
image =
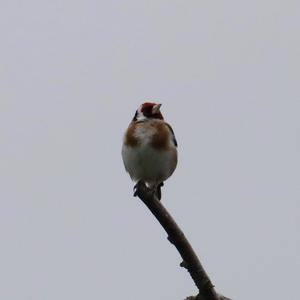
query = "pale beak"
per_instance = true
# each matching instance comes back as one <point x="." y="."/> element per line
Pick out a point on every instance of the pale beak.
<point x="155" y="108"/>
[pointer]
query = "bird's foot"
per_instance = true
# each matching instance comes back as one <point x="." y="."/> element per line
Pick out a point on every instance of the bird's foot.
<point x="140" y="188"/>
<point x="158" y="191"/>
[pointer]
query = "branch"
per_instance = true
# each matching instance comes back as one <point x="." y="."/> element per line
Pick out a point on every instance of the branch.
<point x="177" y="238"/>
<point x="199" y="297"/>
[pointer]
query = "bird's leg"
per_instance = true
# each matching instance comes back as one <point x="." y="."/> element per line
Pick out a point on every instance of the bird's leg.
<point x="155" y="190"/>
<point x="158" y="190"/>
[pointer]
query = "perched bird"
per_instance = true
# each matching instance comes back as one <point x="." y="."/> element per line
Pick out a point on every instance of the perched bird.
<point x="149" y="148"/>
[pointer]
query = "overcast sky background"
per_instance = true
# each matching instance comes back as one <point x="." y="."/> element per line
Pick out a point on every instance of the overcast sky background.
<point x="72" y="74"/>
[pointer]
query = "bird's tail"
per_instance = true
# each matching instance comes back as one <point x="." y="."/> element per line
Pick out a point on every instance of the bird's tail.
<point x="158" y="190"/>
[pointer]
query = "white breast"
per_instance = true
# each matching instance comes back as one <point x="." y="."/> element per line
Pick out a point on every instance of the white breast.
<point x="146" y="163"/>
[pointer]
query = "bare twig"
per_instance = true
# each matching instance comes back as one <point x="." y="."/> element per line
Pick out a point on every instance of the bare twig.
<point x="177" y="238"/>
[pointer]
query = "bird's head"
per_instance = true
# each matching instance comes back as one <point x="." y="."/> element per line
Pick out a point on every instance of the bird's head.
<point x="148" y="110"/>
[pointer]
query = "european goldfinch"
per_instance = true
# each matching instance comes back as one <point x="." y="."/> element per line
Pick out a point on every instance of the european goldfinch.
<point x="149" y="148"/>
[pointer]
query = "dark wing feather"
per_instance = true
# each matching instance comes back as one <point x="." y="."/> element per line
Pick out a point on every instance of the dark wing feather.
<point x="173" y="134"/>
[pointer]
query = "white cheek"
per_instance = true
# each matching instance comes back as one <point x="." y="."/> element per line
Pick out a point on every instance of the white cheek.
<point x="140" y="116"/>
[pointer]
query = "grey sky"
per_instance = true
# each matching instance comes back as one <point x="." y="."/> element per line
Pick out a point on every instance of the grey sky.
<point x="72" y="74"/>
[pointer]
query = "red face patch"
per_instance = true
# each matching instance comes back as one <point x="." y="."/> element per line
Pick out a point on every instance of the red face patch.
<point x="147" y="111"/>
<point x="147" y="106"/>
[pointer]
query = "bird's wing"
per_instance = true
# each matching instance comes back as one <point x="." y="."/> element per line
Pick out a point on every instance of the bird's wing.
<point x="173" y="134"/>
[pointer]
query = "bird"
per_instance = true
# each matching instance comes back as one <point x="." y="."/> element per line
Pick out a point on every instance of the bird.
<point x="149" y="149"/>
